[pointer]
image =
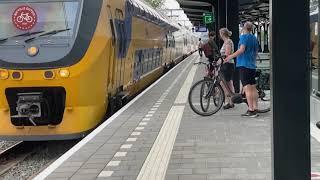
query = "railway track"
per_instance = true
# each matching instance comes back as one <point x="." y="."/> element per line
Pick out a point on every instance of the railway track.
<point x="24" y="160"/>
<point x="15" y="154"/>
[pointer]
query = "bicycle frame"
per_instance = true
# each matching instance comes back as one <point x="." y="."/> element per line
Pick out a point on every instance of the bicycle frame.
<point x="219" y="78"/>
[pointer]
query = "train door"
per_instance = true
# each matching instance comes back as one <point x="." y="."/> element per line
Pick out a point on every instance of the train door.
<point x="120" y="48"/>
<point x="112" y="56"/>
<point x="170" y="49"/>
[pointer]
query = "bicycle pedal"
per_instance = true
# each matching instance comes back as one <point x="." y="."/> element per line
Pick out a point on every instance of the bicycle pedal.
<point x="237" y="99"/>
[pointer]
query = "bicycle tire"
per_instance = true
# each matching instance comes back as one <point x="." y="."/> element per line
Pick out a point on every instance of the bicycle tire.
<point x="202" y="93"/>
<point x="264" y="102"/>
<point x="217" y="88"/>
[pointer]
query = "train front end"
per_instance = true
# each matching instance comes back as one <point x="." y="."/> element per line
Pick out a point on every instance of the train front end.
<point x="51" y="73"/>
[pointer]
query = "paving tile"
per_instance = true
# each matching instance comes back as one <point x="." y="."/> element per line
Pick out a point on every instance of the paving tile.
<point x="223" y="146"/>
<point x="192" y="177"/>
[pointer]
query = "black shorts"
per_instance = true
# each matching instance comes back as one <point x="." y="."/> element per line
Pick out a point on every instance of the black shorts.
<point x="227" y="69"/>
<point x="247" y="76"/>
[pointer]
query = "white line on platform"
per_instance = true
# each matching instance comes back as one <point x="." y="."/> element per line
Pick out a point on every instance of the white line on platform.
<point x="136" y="134"/>
<point x="156" y="164"/>
<point x="149" y="115"/>
<point x="114" y="163"/>
<point x="120" y="154"/>
<point x="126" y="146"/>
<point x="156" y="106"/>
<point x="146" y="119"/>
<point x="45" y="173"/>
<point x="139" y="128"/>
<point x="131" y="139"/>
<point x="151" y="112"/>
<point x="143" y="124"/>
<point x="105" y="174"/>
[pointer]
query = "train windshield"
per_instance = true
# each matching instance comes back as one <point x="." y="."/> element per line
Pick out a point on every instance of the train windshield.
<point x="20" y="20"/>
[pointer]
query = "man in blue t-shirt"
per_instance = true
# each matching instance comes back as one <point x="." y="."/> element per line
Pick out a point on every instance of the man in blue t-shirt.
<point x="246" y="62"/>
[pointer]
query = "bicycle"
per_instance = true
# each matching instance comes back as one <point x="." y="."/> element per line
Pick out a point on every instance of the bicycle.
<point x="211" y="91"/>
<point x="24" y="17"/>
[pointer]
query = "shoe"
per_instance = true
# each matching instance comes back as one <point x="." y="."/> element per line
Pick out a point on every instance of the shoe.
<point x="251" y="114"/>
<point x="228" y="106"/>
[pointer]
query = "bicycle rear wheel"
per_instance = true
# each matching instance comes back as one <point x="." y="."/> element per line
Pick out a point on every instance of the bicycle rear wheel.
<point x="264" y="101"/>
<point x="206" y="97"/>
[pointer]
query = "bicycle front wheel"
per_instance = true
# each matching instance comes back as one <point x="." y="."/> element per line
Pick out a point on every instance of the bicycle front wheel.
<point x="206" y="97"/>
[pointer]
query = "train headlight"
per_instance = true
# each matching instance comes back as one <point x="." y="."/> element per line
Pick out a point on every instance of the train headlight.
<point x="4" y="74"/>
<point x="33" y="51"/>
<point x="64" y="73"/>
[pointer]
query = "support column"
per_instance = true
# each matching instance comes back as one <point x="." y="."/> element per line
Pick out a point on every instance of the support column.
<point x="233" y="25"/>
<point x="215" y="10"/>
<point x="318" y="46"/>
<point x="291" y="90"/>
<point x="266" y="38"/>
<point x="222" y="19"/>
<point x="259" y="35"/>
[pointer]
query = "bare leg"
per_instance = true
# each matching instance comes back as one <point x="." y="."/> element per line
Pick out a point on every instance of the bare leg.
<point x="255" y="97"/>
<point x="226" y="93"/>
<point x="230" y="85"/>
<point x="249" y="96"/>
<point x="252" y="97"/>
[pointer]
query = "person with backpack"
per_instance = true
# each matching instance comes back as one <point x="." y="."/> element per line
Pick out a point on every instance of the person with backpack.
<point x="211" y="49"/>
<point x="200" y="47"/>
<point x="246" y="62"/>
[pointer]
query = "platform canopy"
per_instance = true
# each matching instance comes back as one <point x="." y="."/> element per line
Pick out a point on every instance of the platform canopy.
<point x="249" y="10"/>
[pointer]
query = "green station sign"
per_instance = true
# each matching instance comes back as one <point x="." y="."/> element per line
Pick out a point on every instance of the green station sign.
<point x="208" y="18"/>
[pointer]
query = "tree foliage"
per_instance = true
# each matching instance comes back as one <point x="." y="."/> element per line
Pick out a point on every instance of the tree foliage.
<point x="157" y="4"/>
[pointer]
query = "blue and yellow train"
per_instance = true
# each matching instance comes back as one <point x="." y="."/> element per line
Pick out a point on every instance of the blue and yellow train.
<point x="65" y="63"/>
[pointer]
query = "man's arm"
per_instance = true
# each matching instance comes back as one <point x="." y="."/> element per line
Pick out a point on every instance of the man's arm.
<point x="237" y="53"/>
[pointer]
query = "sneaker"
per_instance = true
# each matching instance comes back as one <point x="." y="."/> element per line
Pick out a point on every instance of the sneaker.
<point x="228" y="106"/>
<point x="252" y="114"/>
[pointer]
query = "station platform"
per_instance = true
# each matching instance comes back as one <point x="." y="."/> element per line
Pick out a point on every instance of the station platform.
<point x="157" y="136"/>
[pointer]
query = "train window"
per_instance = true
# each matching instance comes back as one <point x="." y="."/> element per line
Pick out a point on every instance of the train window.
<point x="167" y="42"/>
<point x="161" y="56"/>
<point x="130" y="7"/>
<point x="173" y="42"/>
<point x="143" y="12"/>
<point x="136" y="67"/>
<point x="154" y="59"/>
<point x="136" y="10"/>
<point x="158" y="58"/>
<point x="146" y="61"/>
<point x="150" y="64"/>
<point x="143" y="62"/>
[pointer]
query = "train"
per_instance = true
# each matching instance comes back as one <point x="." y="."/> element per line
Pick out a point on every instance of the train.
<point x="65" y="64"/>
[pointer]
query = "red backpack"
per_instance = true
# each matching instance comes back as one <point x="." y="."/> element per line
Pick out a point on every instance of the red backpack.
<point x="208" y="50"/>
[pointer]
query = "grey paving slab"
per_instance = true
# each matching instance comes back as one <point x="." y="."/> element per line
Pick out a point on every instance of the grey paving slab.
<point x="224" y="146"/>
<point x="93" y="157"/>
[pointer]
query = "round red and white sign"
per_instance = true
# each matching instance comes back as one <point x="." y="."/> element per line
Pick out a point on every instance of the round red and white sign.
<point x="24" y="18"/>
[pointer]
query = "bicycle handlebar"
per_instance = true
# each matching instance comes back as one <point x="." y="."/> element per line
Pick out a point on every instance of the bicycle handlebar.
<point x="216" y="59"/>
